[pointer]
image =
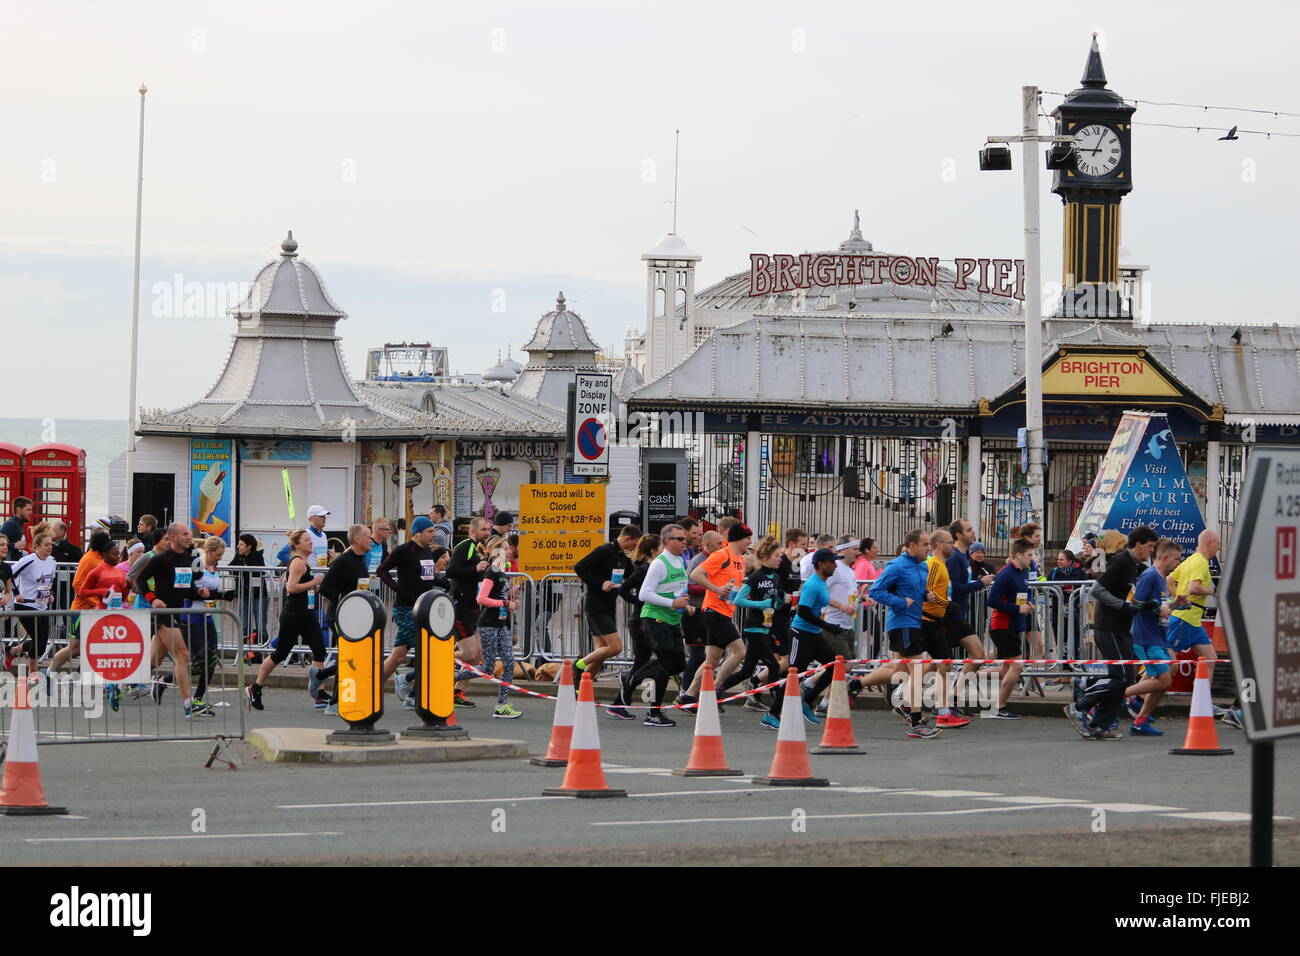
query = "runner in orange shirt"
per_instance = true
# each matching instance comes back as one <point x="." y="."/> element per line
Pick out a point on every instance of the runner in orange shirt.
<point x="721" y="575"/>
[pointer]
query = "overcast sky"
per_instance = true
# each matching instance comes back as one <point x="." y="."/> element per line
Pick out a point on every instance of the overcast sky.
<point x="427" y="155"/>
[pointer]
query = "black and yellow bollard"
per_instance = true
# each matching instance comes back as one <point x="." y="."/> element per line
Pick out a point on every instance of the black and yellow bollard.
<point x="361" y="619"/>
<point x="434" y="616"/>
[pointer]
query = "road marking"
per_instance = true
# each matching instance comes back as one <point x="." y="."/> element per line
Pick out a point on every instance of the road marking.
<point x="785" y="817"/>
<point x="180" y="836"/>
<point x="654" y="770"/>
<point x="955" y="793"/>
<point x="1131" y="807"/>
<point x="1217" y="816"/>
<point x="1036" y="800"/>
<point x="505" y="800"/>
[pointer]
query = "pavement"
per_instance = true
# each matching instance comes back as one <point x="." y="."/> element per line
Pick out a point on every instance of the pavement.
<point x="1014" y="791"/>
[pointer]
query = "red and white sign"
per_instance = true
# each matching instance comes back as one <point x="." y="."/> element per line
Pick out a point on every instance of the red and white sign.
<point x="116" y="645"/>
<point x="1286" y="545"/>
<point x="593" y="406"/>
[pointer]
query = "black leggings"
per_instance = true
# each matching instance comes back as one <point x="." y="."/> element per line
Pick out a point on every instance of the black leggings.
<point x="1107" y="694"/>
<point x="201" y="636"/>
<point x="665" y="643"/>
<point x="807" y="648"/>
<point x="641" y="653"/>
<point x="38" y="631"/>
<point x="694" y="658"/>
<point x="758" y="650"/>
<point x="299" y="629"/>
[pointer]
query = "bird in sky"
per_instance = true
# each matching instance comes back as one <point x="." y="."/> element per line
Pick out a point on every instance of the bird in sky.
<point x="1232" y="134"/>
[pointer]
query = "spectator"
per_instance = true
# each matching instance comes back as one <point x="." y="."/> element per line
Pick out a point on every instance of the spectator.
<point x="13" y="528"/>
<point x="6" y="576"/>
<point x="1067" y="569"/>
<point x="443" y="531"/>
<point x="146" y="526"/>
<point x="502" y="524"/>
<point x="978" y="566"/>
<point x="251" y="587"/>
<point x="65" y="552"/>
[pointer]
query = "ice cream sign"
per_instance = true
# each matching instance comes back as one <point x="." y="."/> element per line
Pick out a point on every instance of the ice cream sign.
<point x="211" y="486"/>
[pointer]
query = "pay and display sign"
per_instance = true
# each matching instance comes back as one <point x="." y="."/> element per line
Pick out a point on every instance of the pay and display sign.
<point x="1260" y="596"/>
<point x="593" y="409"/>
<point x="116" y="645"/>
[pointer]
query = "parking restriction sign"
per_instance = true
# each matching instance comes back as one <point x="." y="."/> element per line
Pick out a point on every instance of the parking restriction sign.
<point x="115" y="644"/>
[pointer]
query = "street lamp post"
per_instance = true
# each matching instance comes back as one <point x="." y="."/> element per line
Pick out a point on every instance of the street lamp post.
<point x="135" y="323"/>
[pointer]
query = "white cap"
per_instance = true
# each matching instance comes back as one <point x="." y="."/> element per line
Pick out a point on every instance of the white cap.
<point x="316" y="511"/>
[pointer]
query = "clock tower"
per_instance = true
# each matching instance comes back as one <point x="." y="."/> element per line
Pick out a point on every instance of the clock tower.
<point x="1091" y="182"/>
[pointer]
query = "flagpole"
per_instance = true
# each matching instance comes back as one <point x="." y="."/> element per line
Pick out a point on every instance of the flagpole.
<point x="135" y="323"/>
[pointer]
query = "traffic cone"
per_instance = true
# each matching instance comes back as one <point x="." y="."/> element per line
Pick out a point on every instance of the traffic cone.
<point x="707" y="758"/>
<point x="22" y="793"/>
<point x="837" y="738"/>
<point x="584" y="776"/>
<point x="557" y="752"/>
<point x="1202" y="739"/>
<point x="790" y="766"/>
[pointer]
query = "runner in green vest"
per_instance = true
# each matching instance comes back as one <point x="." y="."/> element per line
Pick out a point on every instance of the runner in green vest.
<point x="664" y="595"/>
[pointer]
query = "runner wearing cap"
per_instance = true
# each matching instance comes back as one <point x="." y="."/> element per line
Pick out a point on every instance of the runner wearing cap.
<point x="902" y="588"/>
<point x="603" y="571"/>
<point x="721" y="574"/>
<point x="320" y="545"/>
<point x="807" y="643"/>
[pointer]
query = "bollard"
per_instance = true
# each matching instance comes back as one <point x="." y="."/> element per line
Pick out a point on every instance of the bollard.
<point x="434" y="616"/>
<point x="361" y="620"/>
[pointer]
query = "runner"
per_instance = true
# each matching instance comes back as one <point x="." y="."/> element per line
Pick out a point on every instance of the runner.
<point x="349" y="572"/>
<point x="841" y="613"/>
<point x="664" y="598"/>
<point x="33" y="580"/>
<point x="410" y="570"/>
<point x="603" y="572"/>
<point x="806" y="641"/>
<point x="443" y="531"/>
<point x="693" y="623"/>
<point x="901" y="587"/>
<point x="647" y="550"/>
<point x="298" y="615"/>
<point x="494" y="631"/>
<point x="101" y="546"/>
<point x="1011" y="607"/>
<point x="1150" y="638"/>
<point x="806" y="564"/>
<point x="721" y="574"/>
<point x="146" y="526"/>
<point x="864" y="568"/>
<point x="201" y="629"/>
<point x="381" y="529"/>
<point x="760" y="597"/>
<point x="465" y="570"/>
<point x="796" y="546"/>
<point x="1099" y="706"/>
<point x="1189" y="586"/>
<point x="943" y="628"/>
<point x="966" y="582"/>
<point x="106" y="586"/>
<point x="170" y="576"/>
<point x="694" y="536"/>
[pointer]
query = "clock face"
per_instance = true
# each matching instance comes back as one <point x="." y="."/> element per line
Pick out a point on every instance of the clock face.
<point x="1097" y="150"/>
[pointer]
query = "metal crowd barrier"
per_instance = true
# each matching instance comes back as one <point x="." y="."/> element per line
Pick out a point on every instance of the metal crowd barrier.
<point x="76" y="711"/>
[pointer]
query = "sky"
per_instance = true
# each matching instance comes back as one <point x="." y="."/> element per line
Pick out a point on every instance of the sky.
<point x="450" y="167"/>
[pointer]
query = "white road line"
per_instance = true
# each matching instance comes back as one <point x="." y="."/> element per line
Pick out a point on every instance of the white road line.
<point x="824" y="816"/>
<point x="506" y="800"/>
<point x="1217" y="816"/>
<point x="1035" y="800"/>
<point x="180" y="836"/>
<point x="1130" y="807"/>
<point x="955" y="793"/>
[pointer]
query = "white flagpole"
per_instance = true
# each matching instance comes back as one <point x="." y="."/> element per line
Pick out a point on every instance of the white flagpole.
<point x="135" y="321"/>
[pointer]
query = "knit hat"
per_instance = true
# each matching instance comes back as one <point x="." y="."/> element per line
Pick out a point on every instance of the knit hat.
<point x="421" y="523"/>
<point x="738" y="532"/>
<point x="977" y="546"/>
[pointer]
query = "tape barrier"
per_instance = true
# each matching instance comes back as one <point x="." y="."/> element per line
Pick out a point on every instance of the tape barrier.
<point x="858" y="660"/>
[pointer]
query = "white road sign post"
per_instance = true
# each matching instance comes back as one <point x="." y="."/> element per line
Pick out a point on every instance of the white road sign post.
<point x="1260" y="605"/>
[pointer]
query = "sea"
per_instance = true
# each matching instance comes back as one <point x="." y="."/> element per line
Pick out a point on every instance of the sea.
<point x="103" y="438"/>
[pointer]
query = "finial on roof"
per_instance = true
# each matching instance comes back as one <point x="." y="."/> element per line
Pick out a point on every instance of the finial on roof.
<point x="1093" y="74"/>
<point x="559" y="302"/>
<point x="289" y="247"/>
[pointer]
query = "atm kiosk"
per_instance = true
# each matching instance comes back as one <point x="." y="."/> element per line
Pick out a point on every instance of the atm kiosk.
<point x="54" y="477"/>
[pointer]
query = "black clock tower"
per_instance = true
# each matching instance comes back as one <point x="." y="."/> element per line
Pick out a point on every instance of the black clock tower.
<point x="1091" y="183"/>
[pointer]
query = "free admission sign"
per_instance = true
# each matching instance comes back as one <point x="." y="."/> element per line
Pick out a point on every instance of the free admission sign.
<point x="116" y="645"/>
<point x="1260" y="595"/>
<point x="593" y="409"/>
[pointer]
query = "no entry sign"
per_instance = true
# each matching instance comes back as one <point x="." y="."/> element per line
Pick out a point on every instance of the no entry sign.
<point x="116" y="645"/>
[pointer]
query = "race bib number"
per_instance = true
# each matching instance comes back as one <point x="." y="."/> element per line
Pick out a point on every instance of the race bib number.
<point x="427" y="569"/>
<point x="184" y="578"/>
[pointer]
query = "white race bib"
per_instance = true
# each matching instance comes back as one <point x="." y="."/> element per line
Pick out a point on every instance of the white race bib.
<point x="427" y="566"/>
<point x="184" y="577"/>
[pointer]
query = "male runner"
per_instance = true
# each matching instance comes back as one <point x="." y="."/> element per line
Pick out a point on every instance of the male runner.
<point x="1150" y="638"/>
<point x="409" y="570"/>
<point x="349" y="572"/>
<point x="806" y="641"/>
<point x="169" y="577"/>
<point x="602" y="571"/>
<point x="942" y="627"/>
<point x="721" y="574"/>
<point x="664" y="601"/>
<point x="902" y="588"/>
<point x="468" y="564"/>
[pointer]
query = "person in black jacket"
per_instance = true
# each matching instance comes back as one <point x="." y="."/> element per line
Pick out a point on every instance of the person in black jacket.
<point x="603" y="572"/>
<point x="349" y="572"/>
<point x="65" y="552"/>
<point x="465" y="570"/>
<point x="647" y="550"/>
<point x="171" y="573"/>
<point x="252" y="590"/>
<point x="1113" y="622"/>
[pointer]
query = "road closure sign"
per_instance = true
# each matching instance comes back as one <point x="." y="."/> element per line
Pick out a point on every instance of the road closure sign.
<point x="116" y="645"/>
<point x="562" y="508"/>
<point x="1260" y="594"/>
<point x="593" y="409"/>
<point x="541" y="553"/>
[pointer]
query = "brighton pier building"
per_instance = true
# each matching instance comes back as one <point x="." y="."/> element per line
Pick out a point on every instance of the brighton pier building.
<point x="877" y="407"/>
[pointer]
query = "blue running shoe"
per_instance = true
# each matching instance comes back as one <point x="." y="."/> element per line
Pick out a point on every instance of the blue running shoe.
<point x="313" y="681"/>
<point x="771" y="721"/>
<point x="1145" y="729"/>
<point x="809" y="714"/>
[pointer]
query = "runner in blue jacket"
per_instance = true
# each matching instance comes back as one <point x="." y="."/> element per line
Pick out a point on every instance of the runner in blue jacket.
<point x="901" y="588"/>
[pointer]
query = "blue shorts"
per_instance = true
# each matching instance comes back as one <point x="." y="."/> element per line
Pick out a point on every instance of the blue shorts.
<point x="402" y="617"/>
<point x="1184" y="636"/>
<point x="1151" y="652"/>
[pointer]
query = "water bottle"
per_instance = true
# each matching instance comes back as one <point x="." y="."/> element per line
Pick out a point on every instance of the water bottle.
<point x="311" y="600"/>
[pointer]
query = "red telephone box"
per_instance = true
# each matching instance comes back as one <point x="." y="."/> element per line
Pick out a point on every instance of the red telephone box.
<point x="54" y="477"/>
<point x="11" y="475"/>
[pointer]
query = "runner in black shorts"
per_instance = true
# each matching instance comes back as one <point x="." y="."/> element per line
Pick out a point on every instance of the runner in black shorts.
<point x="942" y="627"/>
<point x="603" y="571"/>
<point x="172" y="575"/>
<point x="298" y="619"/>
<point x="468" y="564"/>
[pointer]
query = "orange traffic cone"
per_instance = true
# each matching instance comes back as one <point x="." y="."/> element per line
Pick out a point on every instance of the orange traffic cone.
<point x="22" y="793"/>
<point x="790" y="766"/>
<point x="837" y="738"/>
<point x="557" y="752"/>
<point x="1201" y="736"/>
<point x="584" y="777"/>
<point x="707" y="758"/>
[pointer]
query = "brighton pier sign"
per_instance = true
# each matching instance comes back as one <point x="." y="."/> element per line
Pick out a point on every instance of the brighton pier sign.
<point x="780" y="272"/>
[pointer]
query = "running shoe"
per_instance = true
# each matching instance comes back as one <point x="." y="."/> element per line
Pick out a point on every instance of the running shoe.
<point x="1144" y="729"/>
<point x="620" y="712"/>
<point x="683" y="700"/>
<point x="114" y="692"/>
<point x="923" y="731"/>
<point x="855" y="687"/>
<point x="753" y="703"/>
<point x="771" y="721"/>
<point x="579" y="666"/>
<point x="823" y="706"/>
<point x="902" y="712"/>
<point x="1233" y="718"/>
<point x="463" y="701"/>
<point x="658" y="720"/>
<point x="254" y="694"/>
<point x="401" y="686"/>
<point x="199" y="705"/>
<point x="321" y="703"/>
<point x="1005" y="714"/>
<point x="506" y="712"/>
<point x="951" y="720"/>
<point x="137" y="691"/>
<point x="159" y="688"/>
<point x="193" y="713"/>
<point x="332" y="710"/>
<point x="408" y="703"/>
<point x="313" y="681"/>
<point x="1104" y="735"/>
<point x="809" y="714"/>
<point x="1078" y="721"/>
<point x="1134" y="705"/>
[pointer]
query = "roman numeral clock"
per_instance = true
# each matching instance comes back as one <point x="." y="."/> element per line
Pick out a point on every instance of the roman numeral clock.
<point x="1091" y="183"/>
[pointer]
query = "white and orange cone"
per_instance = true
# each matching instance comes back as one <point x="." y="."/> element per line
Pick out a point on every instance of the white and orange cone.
<point x="557" y="752"/>
<point x="1202" y="739"/>
<point x="22" y="793"/>
<point x="837" y="737"/>
<point x="584" y="776"/>
<point x="790" y="765"/>
<point x="707" y="757"/>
